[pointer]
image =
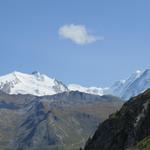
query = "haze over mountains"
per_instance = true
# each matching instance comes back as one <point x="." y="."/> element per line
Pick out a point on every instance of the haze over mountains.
<point x="39" y="84"/>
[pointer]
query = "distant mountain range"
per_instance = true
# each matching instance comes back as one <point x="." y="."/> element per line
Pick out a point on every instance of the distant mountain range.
<point x="132" y="86"/>
<point x="39" y="84"/>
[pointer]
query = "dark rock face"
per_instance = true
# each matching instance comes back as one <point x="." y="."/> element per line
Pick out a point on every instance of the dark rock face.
<point x="124" y="128"/>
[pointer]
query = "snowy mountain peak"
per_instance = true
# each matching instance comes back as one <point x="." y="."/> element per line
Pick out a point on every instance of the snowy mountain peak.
<point x="137" y="74"/>
<point x="135" y="84"/>
<point x="35" y="84"/>
<point x="36" y="73"/>
<point x="138" y="71"/>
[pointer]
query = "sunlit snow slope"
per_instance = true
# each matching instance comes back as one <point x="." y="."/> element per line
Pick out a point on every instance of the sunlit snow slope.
<point x="35" y="84"/>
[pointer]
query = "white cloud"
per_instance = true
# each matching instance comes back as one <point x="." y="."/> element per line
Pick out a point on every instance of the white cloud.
<point x="78" y="34"/>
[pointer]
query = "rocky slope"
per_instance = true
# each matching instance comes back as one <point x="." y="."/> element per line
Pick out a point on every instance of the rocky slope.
<point x="124" y="128"/>
<point x="62" y="121"/>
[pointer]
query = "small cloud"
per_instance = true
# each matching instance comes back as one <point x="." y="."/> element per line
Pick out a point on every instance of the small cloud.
<point x="78" y="34"/>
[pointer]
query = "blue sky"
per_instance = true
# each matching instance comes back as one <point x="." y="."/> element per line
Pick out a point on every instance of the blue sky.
<point x="30" y="38"/>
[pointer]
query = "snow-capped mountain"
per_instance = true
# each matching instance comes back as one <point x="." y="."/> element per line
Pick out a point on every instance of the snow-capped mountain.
<point x="140" y="84"/>
<point x="132" y="86"/>
<point x="40" y="84"/>
<point x="137" y="83"/>
<point x="119" y="87"/>
<point x="90" y="90"/>
<point x="35" y="84"/>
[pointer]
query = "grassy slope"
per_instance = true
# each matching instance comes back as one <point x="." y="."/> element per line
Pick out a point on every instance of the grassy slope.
<point x="142" y="145"/>
<point x="66" y="127"/>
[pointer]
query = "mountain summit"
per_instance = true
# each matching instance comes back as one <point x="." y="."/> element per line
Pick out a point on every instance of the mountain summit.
<point x="134" y="85"/>
<point x="35" y="84"/>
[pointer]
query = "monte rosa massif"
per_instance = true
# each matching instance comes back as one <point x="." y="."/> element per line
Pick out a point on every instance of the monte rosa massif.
<point x="40" y="84"/>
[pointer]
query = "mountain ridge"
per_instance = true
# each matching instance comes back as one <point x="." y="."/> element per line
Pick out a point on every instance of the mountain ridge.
<point x="40" y="85"/>
<point x="61" y="121"/>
